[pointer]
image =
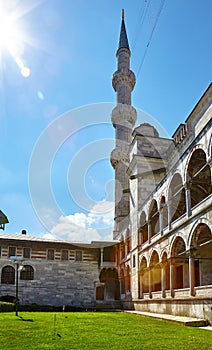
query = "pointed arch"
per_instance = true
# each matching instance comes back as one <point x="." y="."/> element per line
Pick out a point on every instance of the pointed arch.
<point x="128" y="279"/>
<point x="154" y="218"/>
<point x="177" y="199"/>
<point x="166" y="267"/>
<point x="163" y="212"/>
<point x="128" y="241"/>
<point x="155" y="272"/>
<point x="199" y="177"/>
<point x="201" y="246"/>
<point x="178" y="254"/>
<point x="143" y="229"/>
<point x="144" y="277"/>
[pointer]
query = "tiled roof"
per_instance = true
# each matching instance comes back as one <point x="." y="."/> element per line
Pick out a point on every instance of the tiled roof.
<point x="22" y="237"/>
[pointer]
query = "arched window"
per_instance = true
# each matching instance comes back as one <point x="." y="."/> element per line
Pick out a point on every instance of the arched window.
<point x="177" y="199"/>
<point x="143" y="229"/>
<point x="154" y="218"/>
<point x="8" y="275"/>
<point x="199" y="177"/>
<point x="27" y="273"/>
<point x="164" y="212"/>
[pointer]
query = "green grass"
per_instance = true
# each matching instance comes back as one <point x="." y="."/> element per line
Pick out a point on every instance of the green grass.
<point x="87" y="330"/>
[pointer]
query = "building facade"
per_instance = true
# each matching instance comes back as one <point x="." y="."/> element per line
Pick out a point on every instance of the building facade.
<point x="160" y="259"/>
<point x="57" y="272"/>
<point x="163" y="205"/>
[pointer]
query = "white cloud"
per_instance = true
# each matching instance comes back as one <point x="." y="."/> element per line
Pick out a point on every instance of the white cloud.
<point x="102" y="213"/>
<point x="96" y="225"/>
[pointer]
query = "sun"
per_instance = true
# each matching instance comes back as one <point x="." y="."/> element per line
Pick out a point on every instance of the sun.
<point x="11" y="40"/>
<point x="10" y="35"/>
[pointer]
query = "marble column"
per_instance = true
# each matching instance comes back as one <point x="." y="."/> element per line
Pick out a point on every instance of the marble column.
<point x="188" y="198"/>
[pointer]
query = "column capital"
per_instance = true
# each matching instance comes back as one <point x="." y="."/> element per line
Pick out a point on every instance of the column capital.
<point x="187" y="185"/>
<point x="191" y="252"/>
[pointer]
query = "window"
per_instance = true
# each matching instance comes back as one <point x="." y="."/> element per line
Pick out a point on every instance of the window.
<point x="27" y="273"/>
<point x="50" y="254"/>
<point x="11" y="251"/>
<point x="134" y="262"/>
<point x="8" y="275"/>
<point x="78" y="255"/>
<point x="64" y="254"/>
<point x="26" y="253"/>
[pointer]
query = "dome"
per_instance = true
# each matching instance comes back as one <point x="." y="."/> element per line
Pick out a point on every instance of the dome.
<point x="146" y="129"/>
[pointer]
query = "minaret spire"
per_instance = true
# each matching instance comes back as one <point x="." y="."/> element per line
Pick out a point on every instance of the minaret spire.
<point x="123" y="41"/>
<point x="123" y="118"/>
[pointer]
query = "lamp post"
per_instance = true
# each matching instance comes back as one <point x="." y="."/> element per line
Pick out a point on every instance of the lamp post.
<point x="18" y="261"/>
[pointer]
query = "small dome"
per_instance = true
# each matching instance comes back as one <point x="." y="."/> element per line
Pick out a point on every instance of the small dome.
<point x="146" y="129"/>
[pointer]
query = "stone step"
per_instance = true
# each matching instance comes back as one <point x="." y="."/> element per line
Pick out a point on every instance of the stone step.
<point x="109" y="305"/>
<point x="187" y="321"/>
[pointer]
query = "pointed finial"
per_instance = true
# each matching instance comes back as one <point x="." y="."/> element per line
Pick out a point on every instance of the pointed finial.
<point x="122" y="14"/>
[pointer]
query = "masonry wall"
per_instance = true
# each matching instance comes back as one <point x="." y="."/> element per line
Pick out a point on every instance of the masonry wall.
<point x="55" y="282"/>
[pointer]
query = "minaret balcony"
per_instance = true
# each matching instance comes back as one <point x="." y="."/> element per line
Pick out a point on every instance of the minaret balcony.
<point x="123" y="78"/>
<point x="124" y="115"/>
<point x="118" y="156"/>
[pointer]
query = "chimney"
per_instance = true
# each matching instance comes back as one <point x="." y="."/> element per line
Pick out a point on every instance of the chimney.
<point x="23" y="232"/>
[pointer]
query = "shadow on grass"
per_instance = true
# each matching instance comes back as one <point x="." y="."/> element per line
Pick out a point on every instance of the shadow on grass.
<point x="25" y="319"/>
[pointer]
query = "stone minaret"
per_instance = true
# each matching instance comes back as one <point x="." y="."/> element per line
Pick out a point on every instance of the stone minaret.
<point x="123" y="118"/>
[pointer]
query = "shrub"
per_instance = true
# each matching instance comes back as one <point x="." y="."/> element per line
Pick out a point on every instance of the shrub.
<point x="6" y="307"/>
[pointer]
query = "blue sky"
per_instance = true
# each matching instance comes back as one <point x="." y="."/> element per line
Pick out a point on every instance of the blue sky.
<point x="56" y="137"/>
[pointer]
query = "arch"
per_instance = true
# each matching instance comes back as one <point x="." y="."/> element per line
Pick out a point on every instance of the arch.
<point x="164" y="212"/>
<point x="200" y="222"/>
<point x="122" y="249"/>
<point x="199" y="177"/>
<point x="210" y="147"/>
<point x="128" y="241"/>
<point x="128" y="279"/>
<point x="8" y="275"/>
<point x="122" y="281"/>
<point x="178" y="246"/>
<point x="109" y="277"/>
<point x="27" y="273"/>
<point x="143" y="229"/>
<point x="154" y="218"/>
<point x="166" y="267"/>
<point x="155" y="272"/>
<point x="177" y="199"/>
<point x="180" y="262"/>
<point x="144" y="277"/>
<point x="201" y="247"/>
<point x="143" y="263"/>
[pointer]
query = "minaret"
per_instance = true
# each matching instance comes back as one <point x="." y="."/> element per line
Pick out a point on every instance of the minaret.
<point x="123" y="118"/>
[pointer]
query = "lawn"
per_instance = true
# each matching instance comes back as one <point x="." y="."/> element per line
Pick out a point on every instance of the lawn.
<point x="95" y="330"/>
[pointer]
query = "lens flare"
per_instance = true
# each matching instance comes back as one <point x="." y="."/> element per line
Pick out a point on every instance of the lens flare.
<point x="25" y="71"/>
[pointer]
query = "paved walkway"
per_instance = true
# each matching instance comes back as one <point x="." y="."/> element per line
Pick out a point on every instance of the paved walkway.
<point x="187" y="321"/>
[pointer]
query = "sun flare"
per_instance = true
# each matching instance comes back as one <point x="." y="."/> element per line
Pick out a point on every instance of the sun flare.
<point x="12" y="40"/>
<point x="9" y="33"/>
